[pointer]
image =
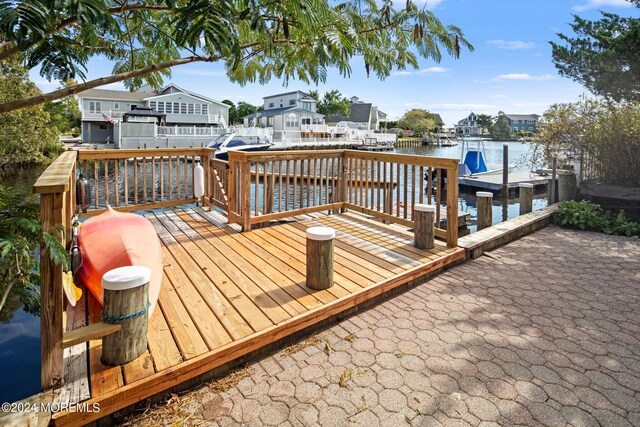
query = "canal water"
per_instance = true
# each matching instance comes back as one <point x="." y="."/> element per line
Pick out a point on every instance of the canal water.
<point x="20" y="331"/>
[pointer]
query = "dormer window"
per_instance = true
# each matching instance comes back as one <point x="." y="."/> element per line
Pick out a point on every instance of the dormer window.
<point x="292" y="102"/>
<point x="271" y="105"/>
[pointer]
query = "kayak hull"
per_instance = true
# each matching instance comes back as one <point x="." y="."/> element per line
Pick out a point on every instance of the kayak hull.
<point x="116" y="239"/>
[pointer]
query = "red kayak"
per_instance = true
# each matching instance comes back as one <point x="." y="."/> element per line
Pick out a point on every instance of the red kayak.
<point x="116" y="239"/>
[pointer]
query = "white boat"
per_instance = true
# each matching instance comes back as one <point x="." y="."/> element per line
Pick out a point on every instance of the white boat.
<point x="233" y="141"/>
<point x="472" y="162"/>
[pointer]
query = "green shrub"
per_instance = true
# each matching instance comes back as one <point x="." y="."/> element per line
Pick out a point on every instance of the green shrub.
<point x="586" y="215"/>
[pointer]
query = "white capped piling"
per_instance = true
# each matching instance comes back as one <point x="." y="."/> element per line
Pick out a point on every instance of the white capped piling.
<point x="126" y="302"/>
<point x="320" y="257"/>
<point x="423" y="223"/>
<point x="485" y="213"/>
<point x="526" y="197"/>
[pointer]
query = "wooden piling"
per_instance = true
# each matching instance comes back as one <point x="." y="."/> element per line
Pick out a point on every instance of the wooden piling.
<point x="505" y="171"/>
<point x="553" y="187"/>
<point x="126" y="302"/>
<point x="567" y="186"/>
<point x="320" y="257"/>
<point x="526" y="197"/>
<point x="424" y="220"/>
<point x="485" y="214"/>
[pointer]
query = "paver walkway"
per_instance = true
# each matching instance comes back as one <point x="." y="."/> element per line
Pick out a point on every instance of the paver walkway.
<point x="544" y="331"/>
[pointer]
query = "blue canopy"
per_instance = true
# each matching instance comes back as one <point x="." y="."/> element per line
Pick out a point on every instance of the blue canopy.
<point x="475" y="162"/>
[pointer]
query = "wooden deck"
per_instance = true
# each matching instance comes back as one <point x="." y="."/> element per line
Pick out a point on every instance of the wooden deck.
<point x="226" y="294"/>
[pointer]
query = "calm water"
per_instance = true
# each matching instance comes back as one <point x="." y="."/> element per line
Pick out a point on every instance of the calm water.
<point x="20" y="332"/>
<point x="519" y="157"/>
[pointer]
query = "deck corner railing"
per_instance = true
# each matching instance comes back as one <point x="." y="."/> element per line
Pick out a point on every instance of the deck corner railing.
<point x="56" y="187"/>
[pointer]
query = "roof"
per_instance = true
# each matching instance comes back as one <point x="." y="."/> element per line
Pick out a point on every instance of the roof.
<point x="438" y="119"/>
<point x="122" y="95"/>
<point x="287" y="93"/>
<point x="197" y="95"/>
<point x="523" y="116"/>
<point x="359" y="112"/>
<point x="277" y="111"/>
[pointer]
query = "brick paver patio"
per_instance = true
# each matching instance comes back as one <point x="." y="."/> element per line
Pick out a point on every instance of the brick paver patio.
<point x="544" y="331"/>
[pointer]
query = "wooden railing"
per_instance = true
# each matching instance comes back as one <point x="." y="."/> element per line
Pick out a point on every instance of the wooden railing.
<point x="56" y="187"/>
<point x="274" y="185"/>
<point x="218" y="180"/>
<point x="136" y="179"/>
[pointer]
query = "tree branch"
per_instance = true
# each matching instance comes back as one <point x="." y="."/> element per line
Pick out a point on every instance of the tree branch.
<point x="14" y="50"/>
<point x="71" y="90"/>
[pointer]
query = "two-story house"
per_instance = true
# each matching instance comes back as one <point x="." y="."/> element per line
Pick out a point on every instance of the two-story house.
<point x="523" y="122"/>
<point x="291" y="115"/>
<point x="104" y="110"/>
<point x="366" y="116"/>
<point x="469" y="126"/>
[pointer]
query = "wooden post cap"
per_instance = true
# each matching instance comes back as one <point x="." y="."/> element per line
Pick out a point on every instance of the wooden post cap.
<point x="424" y="208"/>
<point x="128" y="277"/>
<point x="484" y="194"/>
<point x="320" y="233"/>
<point x="525" y="185"/>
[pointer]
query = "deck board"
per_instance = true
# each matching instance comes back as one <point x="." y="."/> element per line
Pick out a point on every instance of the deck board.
<point x="226" y="293"/>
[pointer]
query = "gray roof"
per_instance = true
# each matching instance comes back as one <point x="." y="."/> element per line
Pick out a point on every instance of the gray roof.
<point x="523" y="116"/>
<point x="287" y="93"/>
<point x="359" y="112"/>
<point x="438" y="119"/>
<point x="113" y="94"/>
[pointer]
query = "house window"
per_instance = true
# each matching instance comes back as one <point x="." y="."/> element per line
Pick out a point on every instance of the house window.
<point x="153" y="104"/>
<point x="183" y="108"/>
<point x="160" y="107"/>
<point x="198" y="108"/>
<point x="176" y="108"/>
<point x="306" y="106"/>
<point x="95" y="107"/>
<point x="306" y="120"/>
<point x="270" y="104"/>
<point x="292" y="120"/>
<point x="292" y="102"/>
<point x="205" y="109"/>
<point x="116" y="105"/>
<point x="103" y="127"/>
<point x="515" y="129"/>
<point x="190" y="109"/>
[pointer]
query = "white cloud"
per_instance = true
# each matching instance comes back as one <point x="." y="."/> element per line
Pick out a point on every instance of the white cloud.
<point x="523" y="76"/>
<point x="497" y="96"/>
<point x="594" y="4"/>
<point x="511" y="44"/>
<point x="424" y="71"/>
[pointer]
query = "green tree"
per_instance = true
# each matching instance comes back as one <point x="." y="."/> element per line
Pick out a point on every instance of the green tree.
<point x="244" y="109"/>
<point x="420" y="121"/>
<point x="256" y="40"/>
<point x="486" y="122"/>
<point x="26" y="136"/>
<point x="65" y="113"/>
<point x="334" y="103"/>
<point x="604" y="55"/>
<point x="233" y="112"/>
<point x="20" y="233"/>
<point x="501" y="128"/>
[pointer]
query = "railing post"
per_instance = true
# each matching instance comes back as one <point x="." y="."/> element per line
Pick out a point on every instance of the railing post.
<point x="452" y="206"/>
<point x="51" y="298"/>
<point x="320" y="257"/>
<point x="343" y="181"/>
<point x="232" y="205"/>
<point x="423" y="231"/>
<point x="245" y="192"/>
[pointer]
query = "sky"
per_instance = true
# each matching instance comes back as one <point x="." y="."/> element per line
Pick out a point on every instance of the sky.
<point x="510" y="69"/>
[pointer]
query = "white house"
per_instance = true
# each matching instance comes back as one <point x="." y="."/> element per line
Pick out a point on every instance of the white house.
<point x="103" y="110"/>
<point x="291" y="115"/>
<point x="469" y="126"/>
<point x="365" y="115"/>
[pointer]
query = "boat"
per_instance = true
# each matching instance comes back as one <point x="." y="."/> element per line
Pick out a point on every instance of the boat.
<point x="233" y="141"/>
<point x="117" y="239"/>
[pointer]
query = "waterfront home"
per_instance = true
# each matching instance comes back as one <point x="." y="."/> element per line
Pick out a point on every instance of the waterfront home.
<point x="291" y="115"/>
<point x="523" y="122"/>
<point x="469" y="126"/>
<point x="365" y="115"/>
<point x="103" y="112"/>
